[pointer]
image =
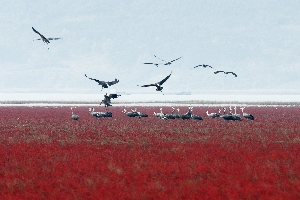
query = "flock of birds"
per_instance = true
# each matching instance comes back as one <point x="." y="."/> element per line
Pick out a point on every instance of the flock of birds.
<point x="175" y="115"/>
<point x="133" y="113"/>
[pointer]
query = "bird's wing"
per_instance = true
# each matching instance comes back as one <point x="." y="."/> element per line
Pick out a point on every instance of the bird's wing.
<point x="112" y="82"/>
<point x="175" y="59"/>
<point x="36" y="31"/>
<point x="100" y="82"/>
<point x="159" y="58"/>
<point x="164" y="80"/>
<point x="197" y="66"/>
<point x="148" y="85"/>
<point x="231" y="73"/>
<point x="218" y="72"/>
<point x="54" y="38"/>
<point x="149" y="63"/>
<point x="113" y="96"/>
<point x="44" y="38"/>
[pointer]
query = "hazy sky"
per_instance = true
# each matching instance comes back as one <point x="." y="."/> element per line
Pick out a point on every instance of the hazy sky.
<point x="258" y="40"/>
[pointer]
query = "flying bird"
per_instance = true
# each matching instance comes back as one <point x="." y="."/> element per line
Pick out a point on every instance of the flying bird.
<point x="43" y="38"/>
<point x="165" y="62"/>
<point x="158" y="85"/>
<point x="204" y="66"/>
<point x="216" y="72"/>
<point x="104" y="84"/>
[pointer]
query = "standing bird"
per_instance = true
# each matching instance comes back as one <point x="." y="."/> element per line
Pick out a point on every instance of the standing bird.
<point x="104" y="84"/>
<point x="246" y="115"/>
<point x="74" y="116"/>
<point x="43" y="38"/>
<point x="165" y="62"/>
<point x="158" y="85"/>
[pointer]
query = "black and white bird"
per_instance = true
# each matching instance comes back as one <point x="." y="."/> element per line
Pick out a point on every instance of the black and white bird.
<point x="165" y="62"/>
<point x="139" y="114"/>
<point x="104" y="84"/>
<point x="213" y="115"/>
<point x="235" y="115"/>
<point x="246" y="115"/>
<point x="107" y="99"/>
<point x="234" y="74"/>
<point x="176" y="115"/>
<point x="74" y="116"/>
<point x="187" y="115"/>
<point x="195" y="117"/>
<point x="43" y="38"/>
<point x="158" y="85"/>
<point x="99" y="114"/>
<point x="130" y="114"/>
<point x="160" y="115"/>
<point x="226" y="116"/>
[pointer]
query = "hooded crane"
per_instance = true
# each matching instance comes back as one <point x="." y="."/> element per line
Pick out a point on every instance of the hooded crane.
<point x="158" y="85"/>
<point x="74" y="116"/>
<point x="246" y="115"/>
<point x="165" y="62"/>
<point x="107" y="99"/>
<point x="43" y="38"/>
<point x="104" y="84"/>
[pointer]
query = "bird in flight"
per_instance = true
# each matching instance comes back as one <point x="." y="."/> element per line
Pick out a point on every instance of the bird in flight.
<point x="234" y="74"/>
<point x="165" y="62"/>
<point x="204" y="66"/>
<point x="43" y="38"/>
<point x="104" y="84"/>
<point x="158" y="85"/>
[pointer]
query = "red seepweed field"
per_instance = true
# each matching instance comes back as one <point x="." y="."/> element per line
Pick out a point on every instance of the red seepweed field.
<point x="45" y="154"/>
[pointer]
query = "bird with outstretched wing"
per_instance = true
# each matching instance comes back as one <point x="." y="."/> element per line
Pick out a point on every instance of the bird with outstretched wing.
<point x="104" y="84"/>
<point x="165" y="62"/>
<point x="158" y="84"/>
<point x="216" y="72"/>
<point x="107" y="99"/>
<point x="203" y="66"/>
<point x="43" y="38"/>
